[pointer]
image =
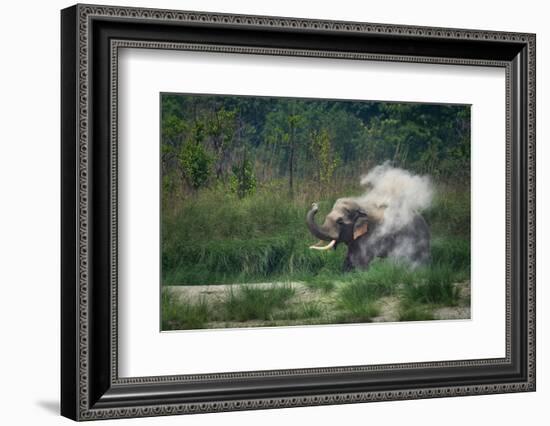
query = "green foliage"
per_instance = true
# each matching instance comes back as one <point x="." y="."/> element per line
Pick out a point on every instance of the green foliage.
<point x="172" y="128"/>
<point x="450" y="211"/>
<point x="359" y="296"/>
<point x="221" y="127"/>
<point x="357" y="306"/>
<point x="218" y="238"/>
<point x="433" y="286"/>
<point x="408" y="312"/>
<point x="214" y="214"/>
<point x="195" y="163"/>
<point x="452" y="251"/>
<point x="249" y="302"/>
<point x="284" y="128"/>
<point x="381" y="278"/>
<point x="299" y="138"/>
<point x="243" y="180"/>
<point x="169" y="186"/>
<point x="242" y="261"/>
<point x="429" y="139"/>
<point x="310" y="310"/>
<point x="325" y="159"/>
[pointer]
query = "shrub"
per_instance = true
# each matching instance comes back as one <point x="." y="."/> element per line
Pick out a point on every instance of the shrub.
<point x="242" y="180"/>
<point x="196" y="164"/>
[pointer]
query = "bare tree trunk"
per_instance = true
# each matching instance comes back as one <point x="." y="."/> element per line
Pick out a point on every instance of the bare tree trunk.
<point x="220" y="156"/>
<point x="291" y="162"/>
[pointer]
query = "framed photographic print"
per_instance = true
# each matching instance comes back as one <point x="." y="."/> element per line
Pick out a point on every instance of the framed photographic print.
<point x="263" y="212"/>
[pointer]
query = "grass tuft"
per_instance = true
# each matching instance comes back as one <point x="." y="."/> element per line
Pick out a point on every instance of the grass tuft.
<point x="178" y="314"/>
<point x="310" y="310"/>
<point x="249" y="303"/>
<point x="356" y="311"/>
<point x="415" y="313"/>
<point x="357" y="300"/>
<point x="433" y="286"/>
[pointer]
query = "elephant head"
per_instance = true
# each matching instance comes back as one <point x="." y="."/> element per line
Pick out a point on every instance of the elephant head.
<point x="346" y="222"/>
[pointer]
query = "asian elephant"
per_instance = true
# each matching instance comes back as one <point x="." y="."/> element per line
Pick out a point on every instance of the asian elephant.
<point x="367" y="236"/>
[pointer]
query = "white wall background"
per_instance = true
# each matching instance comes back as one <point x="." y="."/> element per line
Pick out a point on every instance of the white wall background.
<point x="29" y="217"/>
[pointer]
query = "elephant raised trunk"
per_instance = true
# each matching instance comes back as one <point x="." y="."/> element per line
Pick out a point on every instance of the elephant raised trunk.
<point x="319" y="231"/>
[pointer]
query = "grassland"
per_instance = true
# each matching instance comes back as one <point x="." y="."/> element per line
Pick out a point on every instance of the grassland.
<point x="214" y="238"/>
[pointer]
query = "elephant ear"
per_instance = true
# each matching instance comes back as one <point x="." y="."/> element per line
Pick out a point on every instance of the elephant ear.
<point x="360" y="227"/>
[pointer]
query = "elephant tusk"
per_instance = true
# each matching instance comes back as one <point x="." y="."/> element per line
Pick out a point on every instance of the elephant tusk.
<point x="328" y="246"/>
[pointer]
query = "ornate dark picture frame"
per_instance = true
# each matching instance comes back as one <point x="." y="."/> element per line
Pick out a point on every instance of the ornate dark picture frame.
<point x="90" y="385"/>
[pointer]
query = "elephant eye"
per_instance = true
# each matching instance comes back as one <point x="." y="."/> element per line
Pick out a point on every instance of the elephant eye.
<point x="340" y="221"/>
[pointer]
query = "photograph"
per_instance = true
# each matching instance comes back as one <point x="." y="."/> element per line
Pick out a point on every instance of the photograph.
<point x="279" y="211"/>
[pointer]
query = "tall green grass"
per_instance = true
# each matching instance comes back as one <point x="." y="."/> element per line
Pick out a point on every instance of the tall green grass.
<point x="213" y="237"/>
<point x="450" y="212"/>
<point x="434" y="285"/>
<point x="359" y="294"/>
<point x="310" y="310"/>
<point x="217" y="238"/>
<point x="451" y="251"/>
<point x="418" y="290"/>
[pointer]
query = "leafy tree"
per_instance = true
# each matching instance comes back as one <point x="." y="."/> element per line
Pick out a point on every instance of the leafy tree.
<point x="221" y="128"/>
<point x="172" y="132"/>
<point x="194" y="159"/>
<point x="325" y="159"/>
<point x="284" y="128"/>
<point x="173" y="128"/>
<point x="431" y="139"/>
<point x="195" y="163"/>
<point x="348" y="131"/>
<point x="243" y="180"/>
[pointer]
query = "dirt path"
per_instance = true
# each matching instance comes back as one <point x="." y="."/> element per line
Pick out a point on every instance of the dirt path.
<point x="193" y="293"/>
<point x="389" y="306"/>
<point x="389" y="310"/>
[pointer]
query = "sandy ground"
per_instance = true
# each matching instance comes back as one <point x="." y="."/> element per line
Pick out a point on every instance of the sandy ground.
<point x="211" y="292"/>
<point x="389" y="306"/>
